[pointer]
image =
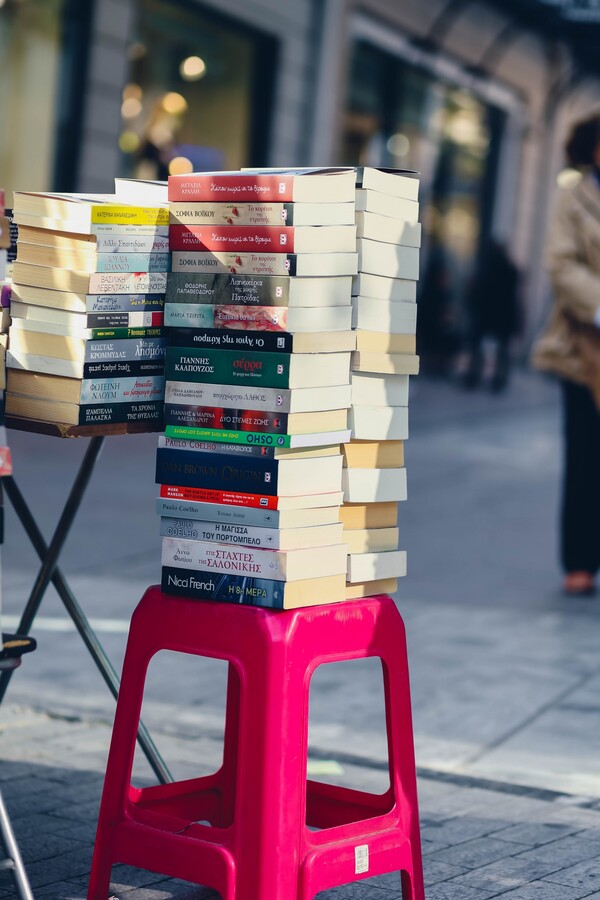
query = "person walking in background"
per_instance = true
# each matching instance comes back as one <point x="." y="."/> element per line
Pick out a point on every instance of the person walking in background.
<point x="570" y="347"/>
<point x="493" y="312"/>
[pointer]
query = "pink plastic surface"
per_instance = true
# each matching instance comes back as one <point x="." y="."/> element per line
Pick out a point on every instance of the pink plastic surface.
<point x="260" y="806"/>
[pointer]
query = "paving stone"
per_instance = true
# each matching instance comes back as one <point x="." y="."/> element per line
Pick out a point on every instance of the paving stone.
<point x="66" y="867"/>
<point x="359" y="891"/>
<point x="64" y="890"/>
<point x="583" y="874"/>
<point x="536" y="833"/>
<point x="542" y="890"/>
<point x="448" y="891"/>
<point x="565" y="852"/>
<point x="429" y="847"/>
<point x="461" y="829"/>
<point x="46" y="846"/>
<point x="389" y="882"/>
<point x="435" y="871"/>
<point x="475" y="853"/>
<point x="505" y="874"/>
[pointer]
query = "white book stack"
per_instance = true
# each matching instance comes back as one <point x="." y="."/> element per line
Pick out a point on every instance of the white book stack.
<point x="86" y="340"/>
<point x="384" y="315"/>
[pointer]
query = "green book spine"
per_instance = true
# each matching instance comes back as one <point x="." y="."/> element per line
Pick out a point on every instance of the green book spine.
<point x="103" y="334"/>
<point x="228" y="367"/>
<point x="228" y="437"/>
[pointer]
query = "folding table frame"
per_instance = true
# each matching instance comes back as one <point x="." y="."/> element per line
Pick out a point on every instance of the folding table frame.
<point x="50" y="573"/>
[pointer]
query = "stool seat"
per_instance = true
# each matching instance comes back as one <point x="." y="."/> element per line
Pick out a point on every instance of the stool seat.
<point x="258" y="829"/>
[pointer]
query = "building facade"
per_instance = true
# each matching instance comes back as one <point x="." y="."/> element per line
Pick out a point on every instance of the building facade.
<point x="477" y="101"/>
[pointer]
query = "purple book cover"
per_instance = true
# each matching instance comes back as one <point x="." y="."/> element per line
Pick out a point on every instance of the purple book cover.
<point x="5" y="296"/>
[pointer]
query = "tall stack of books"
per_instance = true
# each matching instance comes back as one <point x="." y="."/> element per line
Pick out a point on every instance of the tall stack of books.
<point x="258" y="319"/>
<point x="384" y="316"/>
<point x="86" y="341"/>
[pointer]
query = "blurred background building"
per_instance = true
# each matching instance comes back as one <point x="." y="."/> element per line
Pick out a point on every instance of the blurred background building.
<point x="475" y="94"/>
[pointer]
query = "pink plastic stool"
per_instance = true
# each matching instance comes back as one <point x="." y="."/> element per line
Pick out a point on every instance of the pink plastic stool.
<point x="259" y="804"/>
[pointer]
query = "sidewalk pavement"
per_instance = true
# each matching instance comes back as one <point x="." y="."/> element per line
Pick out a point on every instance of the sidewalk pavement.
<point x="504" y="670"/>
<point x="480" y="839"/>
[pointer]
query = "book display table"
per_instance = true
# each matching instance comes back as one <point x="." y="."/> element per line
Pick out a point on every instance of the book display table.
<point x="49" y="555"/>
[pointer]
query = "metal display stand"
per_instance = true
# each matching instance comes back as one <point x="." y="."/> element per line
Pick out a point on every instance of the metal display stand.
<point x="49" y="555"/>
<point x="12" y="861"/>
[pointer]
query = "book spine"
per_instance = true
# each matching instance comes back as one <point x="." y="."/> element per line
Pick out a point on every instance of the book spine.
<point x="258" y="438"/>
<point x="124" y="320"/>
<point x="218" y="472"/>
<point x="219" y="532"/>
<point x="201" y="315"/>
<point x="118" y="231"/>
<point x="123" y="369"/>
<point x="223" y="588"/>
<point x="217" y="512"/>
<point x="227" y="498"/>
<point x="232" y="239"/>
<point x="104" y="334"/>
<point x="228" y="367"/>
<point x="127" y="282"/>
<point x="232" y="213"/>
<point x="104" y="414"/>
<point x="240" y="263"/>
<point x="146" y="349"/>
<point x="132" y="243"/>
<point x="123" y="303"/>
<point x="243" y="188"/>
<point x="122" y="390"/>
<point x="217" y="417"/>
<point x="120" y="214"/>
<point x="228" y="290"/>
<point x="222" y="395"/>
<point x="198" y="555"/>
<point x="132" y="262"/>
<point x="266" y="342"/>
<point x="212" y="447"/>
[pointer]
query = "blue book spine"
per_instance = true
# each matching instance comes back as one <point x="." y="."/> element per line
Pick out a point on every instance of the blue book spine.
<point x="219" y="472"/>
<point x="223" y="588"/>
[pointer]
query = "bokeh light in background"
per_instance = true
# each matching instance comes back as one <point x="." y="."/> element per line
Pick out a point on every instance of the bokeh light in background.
<point x="192" y="68"/>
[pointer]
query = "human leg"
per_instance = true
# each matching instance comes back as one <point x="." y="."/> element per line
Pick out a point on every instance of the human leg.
<point x="580" y="513"/>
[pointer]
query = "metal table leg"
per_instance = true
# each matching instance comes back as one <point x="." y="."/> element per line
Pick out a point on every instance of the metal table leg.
<point x="13" y="861"/>
<point x="49" y="572"/>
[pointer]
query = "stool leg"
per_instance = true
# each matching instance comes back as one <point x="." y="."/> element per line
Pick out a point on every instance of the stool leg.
<point x="119" y="766"/>
<point x="401" y="748"/>
<point x="230" y="745"/>
<point x="271" y="802"/>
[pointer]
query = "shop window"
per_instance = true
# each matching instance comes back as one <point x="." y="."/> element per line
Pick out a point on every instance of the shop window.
<point x="198" y="94"/>
<point x="31" y="42"/>
<point x="402" y="116"/>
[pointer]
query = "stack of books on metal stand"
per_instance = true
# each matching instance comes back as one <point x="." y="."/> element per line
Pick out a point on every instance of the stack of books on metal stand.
<point x="86" y="341"/>
<point x="385" y="318"/>
<point x="258" y="318"/>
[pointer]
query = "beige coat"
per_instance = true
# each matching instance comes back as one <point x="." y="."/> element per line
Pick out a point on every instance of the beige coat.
<point x="570" y="344"/>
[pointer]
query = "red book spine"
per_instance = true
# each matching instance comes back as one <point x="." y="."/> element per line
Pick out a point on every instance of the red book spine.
<point x="235" y="188"/>
<point x="232" y="238"/>
<point x="205" y="495"/>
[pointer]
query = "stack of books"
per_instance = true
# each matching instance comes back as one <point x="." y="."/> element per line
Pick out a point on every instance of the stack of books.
<point x="5" y="460"/>
<point x="385" y="318"/>
<point x="86" y="341"/>
<point x="258" y="319"/>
